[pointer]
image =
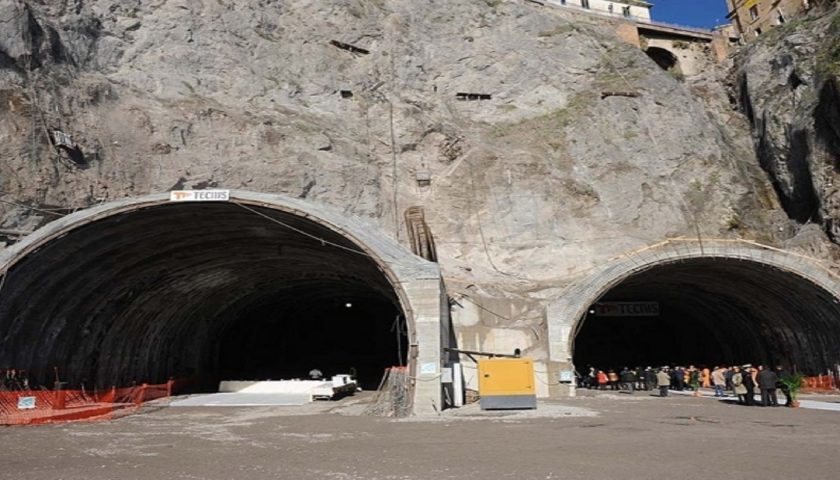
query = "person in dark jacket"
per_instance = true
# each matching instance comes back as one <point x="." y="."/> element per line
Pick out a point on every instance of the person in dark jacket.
<point x="748" y="383"/>
<point x="780" y="374"/>
<point x="640" y="378"/>
<point x="680" y="378"/>
<point x="767" y="380"/>
<point x="628" y="380"/>
<point x="650" y="379"/>
<point x="727" y="377"/>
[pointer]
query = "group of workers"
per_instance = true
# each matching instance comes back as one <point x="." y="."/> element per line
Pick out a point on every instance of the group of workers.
<point x="13" y="379"/>
<point x="743" y="381"/>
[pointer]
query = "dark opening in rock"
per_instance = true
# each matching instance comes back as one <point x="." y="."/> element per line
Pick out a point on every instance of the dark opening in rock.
<point x="349" y="48"/>
<point x="473" y="96"/>
<point x="794" y="81"/>
<point x="745" y="100"/>
<point x="346" y="93"/>
<point x="665" y="59"/>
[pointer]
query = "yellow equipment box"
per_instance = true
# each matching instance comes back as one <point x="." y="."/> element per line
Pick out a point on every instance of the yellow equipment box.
<point x="506" y="383"/>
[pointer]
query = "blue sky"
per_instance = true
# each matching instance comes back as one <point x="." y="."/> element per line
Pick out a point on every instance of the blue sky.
<point x="691" y="13"/>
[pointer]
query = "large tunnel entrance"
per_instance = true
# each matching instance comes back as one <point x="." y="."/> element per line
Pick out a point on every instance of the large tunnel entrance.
<point x="711" y="311"/>
<point x="207" y="291"/>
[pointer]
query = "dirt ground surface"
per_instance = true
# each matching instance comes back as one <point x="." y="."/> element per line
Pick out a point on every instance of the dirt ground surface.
<point x="592" y="437"/>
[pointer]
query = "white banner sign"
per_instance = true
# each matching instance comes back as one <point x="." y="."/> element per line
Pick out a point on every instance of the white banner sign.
<point x="627" y="309"/>
<point x="26" y="403"/>
<point x="199" y="195"/>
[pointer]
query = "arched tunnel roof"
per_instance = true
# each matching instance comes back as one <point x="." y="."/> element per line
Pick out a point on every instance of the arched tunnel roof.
<point x="139" y="285"/>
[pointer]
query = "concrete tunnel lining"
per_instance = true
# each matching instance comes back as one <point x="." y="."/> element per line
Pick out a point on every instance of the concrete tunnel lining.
<point x="788" y="302"/>
<point x="107" y="260"/>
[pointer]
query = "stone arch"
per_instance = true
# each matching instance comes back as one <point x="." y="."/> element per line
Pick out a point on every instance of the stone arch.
<point x="802" y="283"/>
<point x="79" y="247"/>
<point x="663" y="57"/>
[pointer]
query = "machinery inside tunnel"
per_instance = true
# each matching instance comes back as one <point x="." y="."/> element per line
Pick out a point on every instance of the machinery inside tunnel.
<point x="714" y="311"/>
<point x="206" y="291"/>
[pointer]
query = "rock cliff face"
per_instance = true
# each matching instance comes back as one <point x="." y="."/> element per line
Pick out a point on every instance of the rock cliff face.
<point x="536" y="174"/>
<point x="788" y="83"/>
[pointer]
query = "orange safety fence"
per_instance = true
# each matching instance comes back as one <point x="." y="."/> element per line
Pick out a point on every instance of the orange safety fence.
<point x="821" y="383"/>
<point x="27" y="407"/>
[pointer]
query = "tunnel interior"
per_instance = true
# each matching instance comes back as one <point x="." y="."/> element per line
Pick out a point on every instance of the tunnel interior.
<point x="714" y="311"/>
<point x="206" y="292"/>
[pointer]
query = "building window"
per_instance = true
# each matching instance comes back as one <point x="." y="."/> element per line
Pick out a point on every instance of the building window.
<point x="625" y="11"/>
<point x="584" y="3"/>
<point x="753" y="12"/>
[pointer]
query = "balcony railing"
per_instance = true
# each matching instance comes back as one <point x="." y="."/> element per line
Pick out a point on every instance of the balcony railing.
<point x="618" y="14"/>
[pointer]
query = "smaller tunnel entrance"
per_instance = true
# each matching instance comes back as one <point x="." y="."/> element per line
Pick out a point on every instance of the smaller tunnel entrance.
<point x="666" y="60"/>
<point x="713" y="311"/>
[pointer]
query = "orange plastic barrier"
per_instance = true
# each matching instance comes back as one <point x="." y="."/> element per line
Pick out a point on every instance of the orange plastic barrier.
<point x="821" y="383"/>
<point x="72" y="405"/>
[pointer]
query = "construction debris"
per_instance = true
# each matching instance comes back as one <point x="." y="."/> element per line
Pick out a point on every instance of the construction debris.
<point x="393" y="398"/>
<point x="64" y="142"/>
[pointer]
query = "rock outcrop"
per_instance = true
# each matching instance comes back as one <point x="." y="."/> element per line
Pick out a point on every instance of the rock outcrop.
<point x="788" y="84"/>
<point x="530" y="174"/>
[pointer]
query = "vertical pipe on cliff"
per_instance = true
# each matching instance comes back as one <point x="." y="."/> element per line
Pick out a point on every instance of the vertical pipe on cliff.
<point x="393" y="149"/>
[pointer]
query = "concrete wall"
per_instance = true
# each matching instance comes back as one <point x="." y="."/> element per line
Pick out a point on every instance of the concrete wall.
<point x="494" y="325"/>
<point x="628" y="32"/>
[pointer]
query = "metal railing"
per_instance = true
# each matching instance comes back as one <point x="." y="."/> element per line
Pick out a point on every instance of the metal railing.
<point x="579" y="8"/>
<point x="619" y="15"/>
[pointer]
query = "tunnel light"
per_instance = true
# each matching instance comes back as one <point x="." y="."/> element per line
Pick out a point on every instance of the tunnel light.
<point x="348" y="305"/>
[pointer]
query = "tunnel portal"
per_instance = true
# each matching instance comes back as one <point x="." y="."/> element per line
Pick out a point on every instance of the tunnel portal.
<point x="205" y="291"/>
<point x="713" y="311"/>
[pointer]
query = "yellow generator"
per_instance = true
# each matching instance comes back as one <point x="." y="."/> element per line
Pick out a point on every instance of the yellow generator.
<point x="506" y="383"/>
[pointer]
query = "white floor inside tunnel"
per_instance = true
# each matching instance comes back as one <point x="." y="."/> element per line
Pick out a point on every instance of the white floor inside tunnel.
<point x="239" y="393"/>
<point x="243" y="399"/>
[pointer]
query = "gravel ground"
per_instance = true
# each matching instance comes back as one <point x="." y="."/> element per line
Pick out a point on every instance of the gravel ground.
<point x="594" y="437"/>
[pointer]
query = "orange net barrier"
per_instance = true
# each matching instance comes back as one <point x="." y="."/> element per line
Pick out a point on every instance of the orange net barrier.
<point x="820" y="383"/>
<point x="27" y="407"/>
